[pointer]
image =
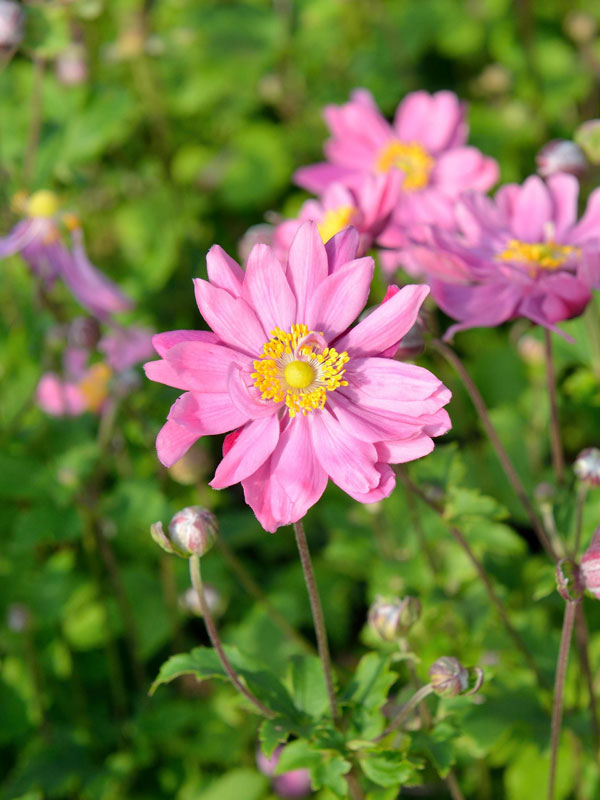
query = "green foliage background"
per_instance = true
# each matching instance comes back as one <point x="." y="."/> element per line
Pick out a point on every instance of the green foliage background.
<point x="194" y="116"/>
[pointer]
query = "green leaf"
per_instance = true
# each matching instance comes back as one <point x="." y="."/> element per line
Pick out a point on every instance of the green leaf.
<point x="297" y="755"/>
<point x="309" y="690"/>
<point x="330" y="773"/>
<point x="371" y="682"/>
<point x="273" y="732"/>
<point x="242" y="783"/>
<point x="388" y="768"/>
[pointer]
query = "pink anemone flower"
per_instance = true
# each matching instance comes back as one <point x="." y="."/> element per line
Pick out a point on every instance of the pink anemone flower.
<point x="426" y="144"/>
<point x="38" y="239"/>
<point x="366" y="207"/>
<point x="306" y="396"/>
<point x="522" y="254"/>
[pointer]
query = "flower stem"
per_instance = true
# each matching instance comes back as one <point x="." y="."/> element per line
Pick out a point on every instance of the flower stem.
<point x="35" y="119"/>
<point x="581" y="498"/>
<point x="485" y="579"/>
<point x="317" y="614"/>
<point x="216" y="642"/>
<point x="558" y="460"/>
<point x="559" y="683"/>
<point x="417" y="698"/>
<point x="511" y="473"/>
<point x="581" y="639"/>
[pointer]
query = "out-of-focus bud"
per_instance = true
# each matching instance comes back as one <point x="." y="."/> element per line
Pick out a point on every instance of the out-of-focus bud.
<point x="569" y="580"/>
<point x="257" y="234"/>
<point x="561" y="155"/>
<point x="449" y="678"/>
<point x="531" y="350"/>
<point x="18" y="617"/>
<point x="191" y="468"/>
<point x="581" y="27"/>
<point x="192" y="532"/>
<point x="12" y="23"/>
<point x="587" y="466"/>
<point x="84" y="332"/>
<point x="587" y="137"/>
<point x="295" y="783"/>
<point x="391" y="619"/>
<point x="71" y="66"/>
<point x="495" y="79"/>
<point x="544" y="494"/>
<point x="590" y="565"/>
<point x="189" y="602"/>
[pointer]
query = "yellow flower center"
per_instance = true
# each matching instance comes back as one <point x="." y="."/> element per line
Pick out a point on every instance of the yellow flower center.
<point x="334" y="220"/>
<point x="94" y="385"/>
<point x="294" y="369"/>
<point x="547" y="255"/>
<point x="411" y="158"/>
<point x="42" y="204"/>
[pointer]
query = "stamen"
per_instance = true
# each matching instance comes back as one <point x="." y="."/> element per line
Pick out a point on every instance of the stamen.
<point x="298" y="373"/>
<point x="334" y="220"/>
<point x="546" y="255"/>
<point x="411" y="158"/>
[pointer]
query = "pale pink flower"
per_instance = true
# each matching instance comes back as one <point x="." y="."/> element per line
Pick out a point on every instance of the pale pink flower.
<point x="39" y="240"/>
<point x="522" y="254"/>
<point x="367" y="207"/>
<point x="69" y="397"/>
<point x="294" y="783"/>
<point x="426" y="144"/>
<point x="126" y="347"/>
<point x="307" y="397"/>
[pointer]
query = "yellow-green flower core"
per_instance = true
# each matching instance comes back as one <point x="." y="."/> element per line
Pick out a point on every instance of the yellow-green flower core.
<point x="42" y="204"/>
<point x="335" y="220"/>
<point x="546" y="255"/>
<point x="411" y="158"/>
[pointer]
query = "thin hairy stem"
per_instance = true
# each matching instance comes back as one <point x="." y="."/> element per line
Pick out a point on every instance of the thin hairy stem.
<point x="559" y="683"/>
<point x="216" y="641"/>
<point x="558" y="460"/>
<point x="317" y="615"/>
<point x="35" y="120"/>
<point x="252" y="587"/>
<point x="582" y="641"/>
<point x="485" y="579"/>
<point x="503" y="457"/>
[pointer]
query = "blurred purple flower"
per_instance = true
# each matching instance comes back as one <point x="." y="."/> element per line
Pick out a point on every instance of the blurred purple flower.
<point x="295" y="783"/>
<point x="125" y="347"/>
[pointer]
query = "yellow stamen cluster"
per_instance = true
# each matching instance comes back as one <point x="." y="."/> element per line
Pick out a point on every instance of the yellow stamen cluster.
<point x="94" y="385"/>
<point x="411" y="158"/>
<point x="334" y="220"/>
<point x="42" y="204"/>
<point x="296" y="373"/>
<point x="547" y="255"/>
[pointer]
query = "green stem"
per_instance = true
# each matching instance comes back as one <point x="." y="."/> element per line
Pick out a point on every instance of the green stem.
<point x="559" y="684"/>
<point x="417" y="698"/>
<point x="35" y="120"/>
<point x="216" y="641"/>
<point x="558" y="460"/>
<point x="317" y="615"/>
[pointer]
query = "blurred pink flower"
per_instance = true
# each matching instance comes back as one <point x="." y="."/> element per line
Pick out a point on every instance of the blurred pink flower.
<point x="367" y="208"/>
<point x="295" y="783"/>
<point x="62" y="397"/>
<point x="38" y="239"/>
<point x="522" y="254"/>
<point x="426" y="144"/>
<point x="307" y="397"/>
<point x="126" y="347"/>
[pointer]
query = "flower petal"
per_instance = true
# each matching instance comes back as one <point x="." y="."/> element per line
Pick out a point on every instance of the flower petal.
<point x="267" y="291"/>
<point x="339" y="299"/>
<point x="250" y="450"/>
<point x="532" y="211"/>
<point x="399" y="451"/>
<point x="223" y="271"/>
<point x="386" y="485"/>
<point x="231" y="318"/>
<point x="307" y="265"/>
<point x="342" y="248"/>
<point x="246" y="398"/>
<point x="204" y="367"/>
<point x="173" y="442"/>
<point x="164" y="341"/>
<point x="206" y="414"/>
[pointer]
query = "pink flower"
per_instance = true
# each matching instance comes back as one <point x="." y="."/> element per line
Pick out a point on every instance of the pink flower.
<point x="307" y="397"/>
<point x="426" y="143"/>
<point x="294" y="783"/>
<point x="62" y="397"/>
<point x="38" y="239"/>
<point x="521" y="254"/>
<point x="126" y="347"/>
<point x="367" y="208"/>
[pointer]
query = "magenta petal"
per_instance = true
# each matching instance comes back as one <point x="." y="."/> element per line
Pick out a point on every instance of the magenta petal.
<point x="339" y="299"/>
<point x="384" y="378"/>
<point x="371" y="425"/>
<point x="59" y="398"/>
<point x="246" y="398"/>
<point x="204" y="366"/>
<point x="564" y="190"/>
<point x="267" y="291"/>
<point x="317" y="177"/>
<point x="206" y="414"/>
<point x="173" y="441"/>
<point x="589" y="225"/>
<point x="162" y="372"/>
<point x="223" y="271"/>
<point x="386" y="325"/>
<point x="485" y="305"/>
<point x="342" y="248"/>
<point x="231" y="318"/>
<point x="386" y="485"/>
<point x="349" y="462"/>
<point x="19" y="237"/>
<point x="250" y="450"/>
<point x="164" y="341"/>
<point x="290" y="482"/>
<point x="532" y="211"/>
<point x="399" y="451"/>
<point x="307" y="265"/>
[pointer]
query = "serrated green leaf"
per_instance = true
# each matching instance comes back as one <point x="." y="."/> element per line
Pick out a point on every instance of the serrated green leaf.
<point x="307" y="681"/>
<point x="329" y="774"/>
<point x="273" y="732"/>
<point x="371" y="681"/>
<point x="388" y="768"/>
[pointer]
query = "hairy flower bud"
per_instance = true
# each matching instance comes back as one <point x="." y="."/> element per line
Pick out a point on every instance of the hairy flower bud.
<point x="561" y="155"/>
<point x="192" y="532"/>
<point x="569" y="580"/>
<point x="391" y="619"/>
<point x="590" y="565"/>
<point x="12" y="21"/>
<point x="587" y="466"/>
<point x="449" y="678"/>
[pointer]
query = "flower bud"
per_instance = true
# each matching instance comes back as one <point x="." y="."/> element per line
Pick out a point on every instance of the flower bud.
<point x="71" y="66"/>
<point x="561" y="155"/>
<point x="391" y="619"/>
<point x="84" y="332"/>
<point x="12" y="21"/>
<point x="587" y="137"/>
<point x="587" y="466"/>
<point x="590" y="565"/>
<point x="449" y="678"/>
<point x="192" y="532"/>
<point x="569" y="581"/>
<point x="18" y="617"/>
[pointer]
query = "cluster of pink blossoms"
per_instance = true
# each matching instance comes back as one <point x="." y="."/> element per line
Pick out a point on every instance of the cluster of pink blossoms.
<point x="40" y="240"/>
<point x="303" y="396"/>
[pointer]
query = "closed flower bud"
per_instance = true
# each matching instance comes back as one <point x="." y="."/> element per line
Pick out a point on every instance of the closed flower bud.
<point x="569" y="580"/>
<point x="448" y="677"/>
<point x="587" y="137"/>
<point x="590" y="565"/>
<point x="12" y="21"/>
<point x="192" y="532"/>
<point x="391" y="619"/>
<point x="587" y="466"/>
<point x="561" y="155"/>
